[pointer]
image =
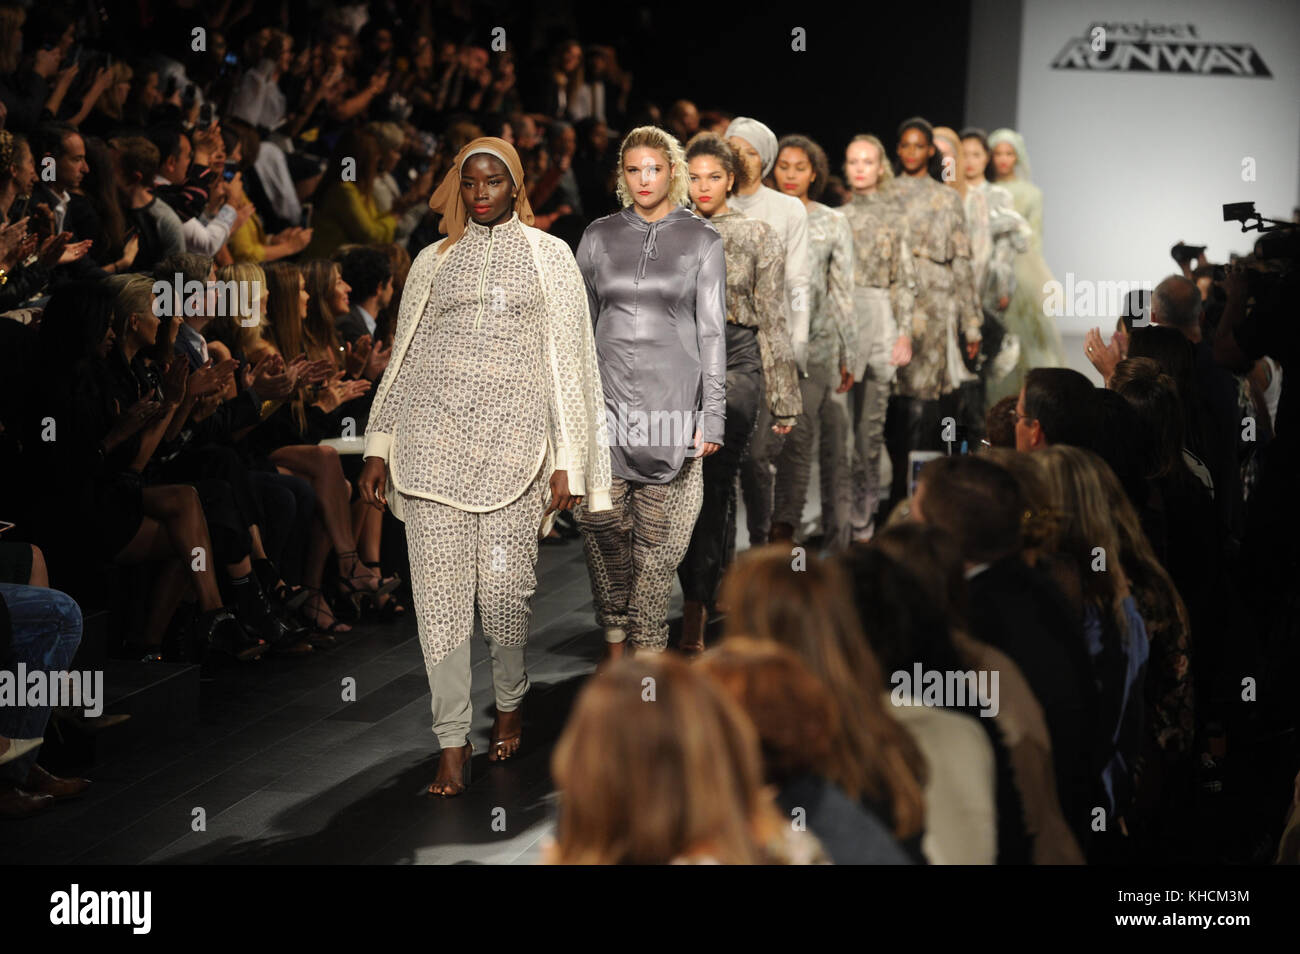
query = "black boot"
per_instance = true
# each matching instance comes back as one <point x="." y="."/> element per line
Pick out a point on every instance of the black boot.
<point x="280" y="598"/>
<point x="258" y="615"/>
<point x="213" y="631"/>
<point x="269" y="576"/>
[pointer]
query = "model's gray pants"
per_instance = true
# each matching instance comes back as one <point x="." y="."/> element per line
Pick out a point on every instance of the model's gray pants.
<point x="460" y="560"/>
<point x="824" y="422"/>
<point x="873" y="379"/>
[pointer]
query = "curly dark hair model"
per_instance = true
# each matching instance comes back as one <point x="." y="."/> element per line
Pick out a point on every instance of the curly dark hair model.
<point x="711" y="144"/>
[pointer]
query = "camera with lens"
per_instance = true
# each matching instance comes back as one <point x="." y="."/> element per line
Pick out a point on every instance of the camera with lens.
<point x="1186" y="254"/>
<point x="1276" y="251"/>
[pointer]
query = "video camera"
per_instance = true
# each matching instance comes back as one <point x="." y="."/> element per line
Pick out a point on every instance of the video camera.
<point x="1279" y="244"/>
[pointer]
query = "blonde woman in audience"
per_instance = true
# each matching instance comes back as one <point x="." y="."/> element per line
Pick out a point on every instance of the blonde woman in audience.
<point x="659" y="766"/>
<point x="805" y="603"/>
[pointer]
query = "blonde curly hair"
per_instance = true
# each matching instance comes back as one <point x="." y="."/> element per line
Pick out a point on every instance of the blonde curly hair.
<point x="652" y="137"/>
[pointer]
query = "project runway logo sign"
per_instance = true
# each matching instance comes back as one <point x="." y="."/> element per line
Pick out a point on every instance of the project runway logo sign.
<point x="1149" y="47"/>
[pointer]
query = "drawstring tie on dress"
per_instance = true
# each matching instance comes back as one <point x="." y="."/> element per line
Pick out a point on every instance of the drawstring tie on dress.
<point x="649" y="250"/>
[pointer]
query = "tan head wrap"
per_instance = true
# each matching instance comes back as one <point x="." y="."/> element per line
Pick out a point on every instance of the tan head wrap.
<point x="447" y="199"/>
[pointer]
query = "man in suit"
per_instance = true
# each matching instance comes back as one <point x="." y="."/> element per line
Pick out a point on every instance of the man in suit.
<point x="369" y="274"/>
<point x="1018" y="609"/>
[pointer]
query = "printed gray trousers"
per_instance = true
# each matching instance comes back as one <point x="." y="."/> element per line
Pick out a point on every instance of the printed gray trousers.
<point x="460" y="560"/>
<point x="633" y="550"/>
<point x="824" y="422"/>
<point x="870" y="402"/>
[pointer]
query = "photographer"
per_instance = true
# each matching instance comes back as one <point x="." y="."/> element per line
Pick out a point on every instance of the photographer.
<point x="1259" y="318"/>
<point x="1246" y="333"/>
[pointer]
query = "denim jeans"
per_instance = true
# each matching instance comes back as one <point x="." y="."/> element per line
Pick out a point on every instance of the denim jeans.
<point x="46" y="634"/>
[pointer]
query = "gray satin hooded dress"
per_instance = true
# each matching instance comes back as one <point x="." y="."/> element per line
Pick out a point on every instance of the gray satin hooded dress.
<point x="658" y="298"/>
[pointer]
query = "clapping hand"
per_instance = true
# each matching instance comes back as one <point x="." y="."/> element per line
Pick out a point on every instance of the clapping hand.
<point x="266" y="367"/>
<point x="272" y="380"/>
<point x="51" y="249"/>
<point x="1104" y="357"/>
<point x="75" y="250"/>
<point x="377" y="362"/>
<point x="130" y="250"/>
<point x="350" y="390"/>
<point x="175" y="380"/>
<point x="317" y="372"/>
<point x="211" y="378"/>
<point x="11" y="237"/>
<point x="340" y="391"/>
<point x="128" y="422"/>
<point x="355" y="356"/>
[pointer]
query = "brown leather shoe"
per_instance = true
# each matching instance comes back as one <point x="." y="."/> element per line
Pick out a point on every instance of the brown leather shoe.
<point x="17" y="803"/>
<point x="42" y="782"/>
<point x="780" y="533"/>
<point x="694" y="617"/>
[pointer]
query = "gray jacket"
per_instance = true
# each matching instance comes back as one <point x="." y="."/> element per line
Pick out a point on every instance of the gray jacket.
<point x="658" y="296"/>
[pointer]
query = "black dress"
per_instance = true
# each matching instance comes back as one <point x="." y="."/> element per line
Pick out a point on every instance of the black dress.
<point x="89" y="504"/>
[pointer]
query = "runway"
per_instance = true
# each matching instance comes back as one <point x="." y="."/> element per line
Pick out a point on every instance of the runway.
<point x="287" y="772"/>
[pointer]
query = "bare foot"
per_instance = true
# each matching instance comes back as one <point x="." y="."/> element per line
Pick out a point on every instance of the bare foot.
<point x="450" y="780"/>
<point x="507" y="733"/>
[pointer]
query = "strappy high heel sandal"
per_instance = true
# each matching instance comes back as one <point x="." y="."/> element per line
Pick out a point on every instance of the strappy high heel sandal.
<point x="500" y="746"/>
<point x="310" y="613"/>
<point x="389" y="609"/>
<point x="352" y="587"/>
<point x="464" y="776"/>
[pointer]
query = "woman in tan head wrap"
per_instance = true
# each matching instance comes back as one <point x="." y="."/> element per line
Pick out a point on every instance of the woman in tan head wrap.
<point x="489" y="417"/>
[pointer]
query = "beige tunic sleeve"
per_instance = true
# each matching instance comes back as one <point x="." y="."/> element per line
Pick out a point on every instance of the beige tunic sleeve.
<point x="384" y="410"/>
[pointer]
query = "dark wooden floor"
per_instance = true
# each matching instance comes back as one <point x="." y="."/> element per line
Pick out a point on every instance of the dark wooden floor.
<point x="285" y="771"/>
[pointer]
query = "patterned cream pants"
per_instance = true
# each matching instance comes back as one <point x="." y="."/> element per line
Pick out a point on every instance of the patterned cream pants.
<point x="459" y="560"/>
<point x="633" y="550"/>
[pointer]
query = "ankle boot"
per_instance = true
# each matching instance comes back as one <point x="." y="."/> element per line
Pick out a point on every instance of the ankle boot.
<point x="266" y="573"/>
<point x="276" y="590"/>
<point x="216" y="631"/>
<point x="258" y="615"/>
<point x="694" y="615"/>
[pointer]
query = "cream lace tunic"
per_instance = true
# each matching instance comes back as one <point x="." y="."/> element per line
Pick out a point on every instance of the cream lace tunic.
<point x="493" y="368"/>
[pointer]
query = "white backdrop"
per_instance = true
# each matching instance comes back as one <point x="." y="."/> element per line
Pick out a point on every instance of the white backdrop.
<point x="1130" y="162"/>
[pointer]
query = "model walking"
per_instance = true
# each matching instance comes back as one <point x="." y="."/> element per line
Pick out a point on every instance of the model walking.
<point x="656" y="282"/>
<point x="1040" y="337"/>
<point x="760" y="361"/>
<point x="757" y="147"/>
<point x="802" y="171"/>
<point x="936" y="234"/>
<point x="490" y="405"/>
<point x="884" y="287"/>
<point x="998" y="233"/>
